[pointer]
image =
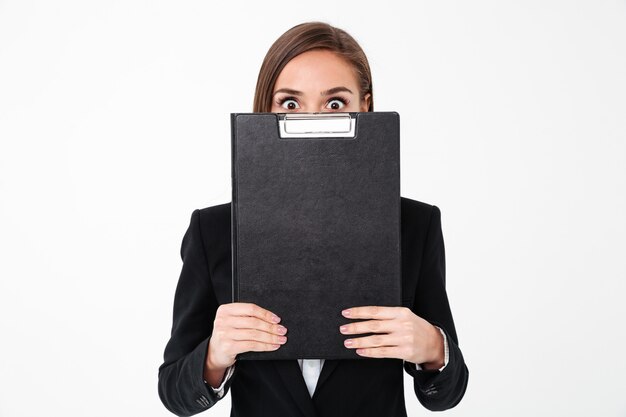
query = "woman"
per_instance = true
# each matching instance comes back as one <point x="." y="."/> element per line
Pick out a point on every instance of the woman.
<point x="313" y="67"/>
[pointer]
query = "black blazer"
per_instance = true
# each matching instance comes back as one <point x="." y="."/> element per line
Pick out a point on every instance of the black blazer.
<point x="276" y="388"/>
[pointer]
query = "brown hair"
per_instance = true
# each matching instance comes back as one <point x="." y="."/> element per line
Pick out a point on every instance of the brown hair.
<point x="303" y="38"/>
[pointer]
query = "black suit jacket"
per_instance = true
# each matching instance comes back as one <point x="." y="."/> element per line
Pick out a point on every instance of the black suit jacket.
<point x="276" y="388"/>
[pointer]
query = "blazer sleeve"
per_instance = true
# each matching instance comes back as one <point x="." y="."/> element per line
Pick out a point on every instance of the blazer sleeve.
<point x="437" y="390"/>
<point x="181" y="384"/>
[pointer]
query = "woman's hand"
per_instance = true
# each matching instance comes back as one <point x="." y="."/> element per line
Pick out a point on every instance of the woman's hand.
<point x="404" y="335"/>
<point x="237" y="328"/>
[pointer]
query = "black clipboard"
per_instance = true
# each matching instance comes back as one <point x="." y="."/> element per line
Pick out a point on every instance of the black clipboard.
<point x="315" y="222"/>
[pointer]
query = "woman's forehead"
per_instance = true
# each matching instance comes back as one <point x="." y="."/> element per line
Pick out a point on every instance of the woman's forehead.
<point x="317" y="71"/>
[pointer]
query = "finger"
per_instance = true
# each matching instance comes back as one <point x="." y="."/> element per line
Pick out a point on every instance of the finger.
<point x="249" y="346"/>
<point x="240" y="346"/>
<point x="369" y="326"/>
<point x="253" y="310"/>
<point x="381" y="352"/>
<point x="245" y="322"/>
<point x="376" y="340"/>
<point x="372" y="312"/>
<point x="254" y="335"/>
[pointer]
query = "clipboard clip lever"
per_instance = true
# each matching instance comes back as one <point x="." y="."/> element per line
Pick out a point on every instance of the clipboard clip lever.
<point x="316" y="125"/>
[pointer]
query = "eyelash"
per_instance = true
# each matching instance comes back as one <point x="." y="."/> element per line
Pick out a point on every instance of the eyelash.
<point x="284" y="99"/>
<point x="343" y="100"/>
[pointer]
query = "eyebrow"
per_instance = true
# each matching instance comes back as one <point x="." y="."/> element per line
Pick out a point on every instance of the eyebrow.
<point x="288" y="91"/>
<point x="334" y="90"/>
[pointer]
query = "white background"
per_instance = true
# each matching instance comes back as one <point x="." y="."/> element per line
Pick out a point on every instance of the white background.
<point x="114" y="127"/>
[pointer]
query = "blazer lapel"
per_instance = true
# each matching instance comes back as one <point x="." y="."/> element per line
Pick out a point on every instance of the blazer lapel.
<point x="328" y="367"/>
<point x="291" y="374"/>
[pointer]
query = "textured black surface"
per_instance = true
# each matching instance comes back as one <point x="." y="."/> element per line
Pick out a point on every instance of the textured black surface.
<point x="315" y="227"/>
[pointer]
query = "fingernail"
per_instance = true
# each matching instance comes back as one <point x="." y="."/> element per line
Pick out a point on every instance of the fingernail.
<point x="346" y="312"/>
<point x="343" y="329"/>
<point x="275" y="318"/>
<point x="282" y="330"/>
<point x="348" y="342"/>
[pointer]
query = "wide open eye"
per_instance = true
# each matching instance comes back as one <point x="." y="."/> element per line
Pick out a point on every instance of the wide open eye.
<point x="336" y="103"/>
<point x="289" y="104"/>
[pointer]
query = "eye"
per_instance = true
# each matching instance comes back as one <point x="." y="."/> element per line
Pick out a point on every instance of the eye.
<point x="337" y="103"/>
<point x="289" y="103"/>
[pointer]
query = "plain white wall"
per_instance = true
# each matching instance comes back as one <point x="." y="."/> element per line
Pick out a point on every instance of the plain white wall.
<point x="114" y="127"/>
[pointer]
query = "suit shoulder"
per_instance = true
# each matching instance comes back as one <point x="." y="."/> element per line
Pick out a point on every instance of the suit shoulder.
<point x="417" y="217"/>
<point x="216" y="210"/>
<point x="215" y="218"/>
<point x="416" y="209"/>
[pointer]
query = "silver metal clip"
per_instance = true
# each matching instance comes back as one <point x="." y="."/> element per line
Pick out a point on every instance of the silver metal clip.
<point x="316" y="125"/>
